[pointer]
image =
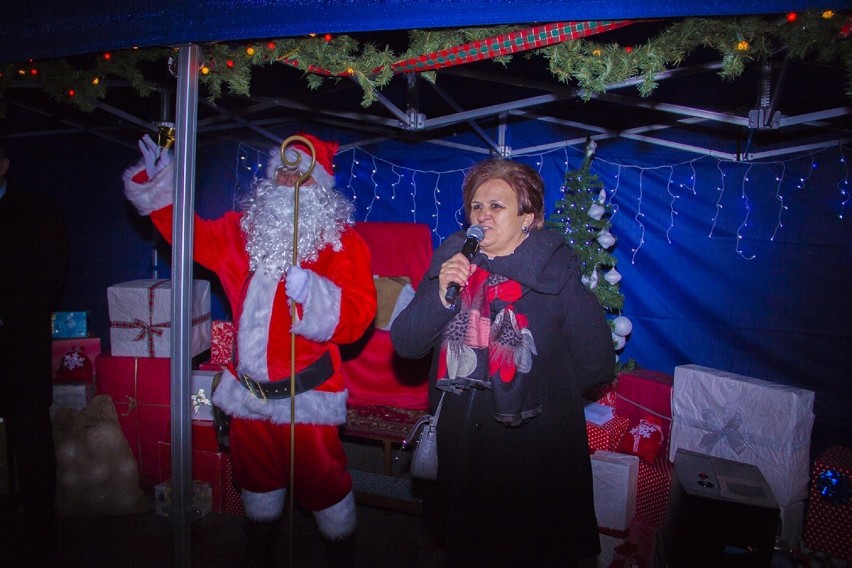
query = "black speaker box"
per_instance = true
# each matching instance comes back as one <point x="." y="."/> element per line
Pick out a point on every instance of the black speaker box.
<point x="720" y="514"/>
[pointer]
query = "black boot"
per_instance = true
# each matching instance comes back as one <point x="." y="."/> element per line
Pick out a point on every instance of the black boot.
<point x="261" y="542"/>
<point x="340" y="553"/>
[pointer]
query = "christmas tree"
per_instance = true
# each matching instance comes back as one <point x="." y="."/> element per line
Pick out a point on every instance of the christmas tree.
<point x="583" y="215"/>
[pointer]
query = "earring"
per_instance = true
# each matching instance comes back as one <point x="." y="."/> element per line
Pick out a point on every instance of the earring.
<point x="525" y="229"/>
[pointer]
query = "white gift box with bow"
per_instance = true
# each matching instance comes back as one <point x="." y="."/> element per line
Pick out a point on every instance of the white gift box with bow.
<point x="746" y="420"/>
<point x="140" y="318"/>
<point x="201" y="392"/>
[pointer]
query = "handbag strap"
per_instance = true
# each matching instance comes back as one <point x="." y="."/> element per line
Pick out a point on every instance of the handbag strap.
<point x="425" y="420"/>
<point x="438" y="410"/>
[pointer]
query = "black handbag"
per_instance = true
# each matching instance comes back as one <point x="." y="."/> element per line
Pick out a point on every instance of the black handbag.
<point x="424" y="457"/>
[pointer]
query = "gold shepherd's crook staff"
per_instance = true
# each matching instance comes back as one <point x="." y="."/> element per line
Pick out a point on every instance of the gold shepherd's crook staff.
<point x="289" y="141"/>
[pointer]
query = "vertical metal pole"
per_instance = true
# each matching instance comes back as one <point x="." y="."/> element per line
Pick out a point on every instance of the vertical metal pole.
<point x="182" y="513"/>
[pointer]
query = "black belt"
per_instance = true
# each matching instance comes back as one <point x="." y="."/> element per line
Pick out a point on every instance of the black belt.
<point x="307" y="379"/>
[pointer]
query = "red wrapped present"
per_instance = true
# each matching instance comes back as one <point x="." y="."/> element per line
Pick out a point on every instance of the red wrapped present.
<point x="606" y="436"/>
<point x="140" y="388"/>
<point x="74" y="359"/>
<point x="642" y="393"/>
<point x="203" y="435"/>
<point x="214" y="468"/>
<point x="652" y="493"/>
<point x="828" y="527"/>
<point x="221" y="342"/>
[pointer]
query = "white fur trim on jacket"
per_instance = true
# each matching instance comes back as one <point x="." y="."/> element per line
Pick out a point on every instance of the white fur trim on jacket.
<point x="263" y="507"/>
<point x="321" y="309"/>
<point x="153" y="194"/>
<point x="253" y="338"/>
<point x="338" y="521"/>
<point x="312" y="407"/>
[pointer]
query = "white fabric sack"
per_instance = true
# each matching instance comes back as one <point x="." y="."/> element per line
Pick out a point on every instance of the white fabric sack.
<point x="746" y="420"/>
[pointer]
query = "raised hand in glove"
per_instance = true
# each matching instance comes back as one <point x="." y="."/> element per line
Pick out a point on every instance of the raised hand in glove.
<point x="156" y="158"/>
<point x="298" y="281"/>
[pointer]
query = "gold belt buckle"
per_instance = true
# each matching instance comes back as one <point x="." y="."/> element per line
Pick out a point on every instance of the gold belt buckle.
<point x="253" y="386"/>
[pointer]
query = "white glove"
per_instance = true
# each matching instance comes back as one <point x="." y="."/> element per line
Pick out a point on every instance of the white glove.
<point x="297" y="284"/>
<point x="155" y="157"/>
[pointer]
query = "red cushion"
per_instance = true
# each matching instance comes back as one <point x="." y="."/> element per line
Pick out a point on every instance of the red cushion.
<point x="644" y="439"/>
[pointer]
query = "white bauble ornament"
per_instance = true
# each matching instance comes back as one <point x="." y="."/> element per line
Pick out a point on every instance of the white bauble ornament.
<point x="613" y="276"/>
<point x="606" y="239"/>
<point x="622" y="326"/>
<point x="596" y="211"/>
<point x="618" y="341"/>
<point x="602" y="197"/>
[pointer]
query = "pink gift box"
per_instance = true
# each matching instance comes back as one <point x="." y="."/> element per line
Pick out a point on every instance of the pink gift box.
<point x="221" y="342"/>
<point x="642" y="393"/>
<point x="214" y="468"/>
<point x="140" y="388"/>
<point x="652" y="493"/>
<point x="828" y="527"/>
<point x="606" y="436"/>
<point x="91" y="347"/>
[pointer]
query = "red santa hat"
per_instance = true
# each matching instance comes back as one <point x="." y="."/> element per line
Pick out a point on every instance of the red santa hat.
<point x="323" y="172"/>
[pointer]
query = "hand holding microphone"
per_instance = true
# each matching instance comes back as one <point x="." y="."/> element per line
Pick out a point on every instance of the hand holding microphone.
<point x="471" y="245"/>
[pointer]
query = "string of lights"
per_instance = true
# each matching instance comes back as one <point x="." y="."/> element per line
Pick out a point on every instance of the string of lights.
<point x="372" y="180"/>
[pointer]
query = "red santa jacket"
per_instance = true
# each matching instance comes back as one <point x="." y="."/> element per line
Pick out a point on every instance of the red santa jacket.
<point x="341" y="305"/>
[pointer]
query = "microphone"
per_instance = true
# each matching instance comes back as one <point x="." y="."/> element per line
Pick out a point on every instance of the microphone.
<point x="471" y="245"/>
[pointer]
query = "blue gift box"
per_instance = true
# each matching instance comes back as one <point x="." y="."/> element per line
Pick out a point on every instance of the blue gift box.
<point x="69" y="324"/>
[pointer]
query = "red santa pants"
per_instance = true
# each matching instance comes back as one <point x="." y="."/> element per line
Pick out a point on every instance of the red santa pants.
<point x="261" y="455"/>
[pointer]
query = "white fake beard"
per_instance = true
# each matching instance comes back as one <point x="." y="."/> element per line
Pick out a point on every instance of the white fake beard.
<point x="267" y="223"/>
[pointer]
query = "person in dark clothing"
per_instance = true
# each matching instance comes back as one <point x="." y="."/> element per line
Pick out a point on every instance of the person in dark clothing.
<point x="513" y="355"/>
<point x="32" y="269"/>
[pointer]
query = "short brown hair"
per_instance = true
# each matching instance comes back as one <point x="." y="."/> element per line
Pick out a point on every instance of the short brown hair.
<point x="524" y="180"/>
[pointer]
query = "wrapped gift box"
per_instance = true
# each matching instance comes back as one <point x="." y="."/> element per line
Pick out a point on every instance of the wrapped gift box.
<point x="140" y="388"/>
<point x="69" y="324"/>
<point x="745" y="420"/>
<point x="641" y="393"/>
<point x="214" y="468"/>
<point x="71" y="395"/>
<point x="64" y="362"/>
<point x="615" y="481"/>
<point x="221" y="342"/>
<point x="140" y="315"/>
<point x="203" y="435"/>
<point x="652" y="493"/>
<point x="202" y="390"/>
<point x="828" y="527"/>
<point x="598" y="413"/>
<point x="606" y="436"/>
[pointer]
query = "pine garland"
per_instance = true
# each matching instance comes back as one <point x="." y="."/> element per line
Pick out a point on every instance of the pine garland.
<point x="820" y="36"/>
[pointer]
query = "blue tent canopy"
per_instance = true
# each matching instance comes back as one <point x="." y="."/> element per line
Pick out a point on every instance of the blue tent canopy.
<point x="52" y="29"/>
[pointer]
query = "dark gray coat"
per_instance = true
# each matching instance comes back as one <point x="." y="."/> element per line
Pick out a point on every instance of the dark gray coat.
<point x="529" y="487"/>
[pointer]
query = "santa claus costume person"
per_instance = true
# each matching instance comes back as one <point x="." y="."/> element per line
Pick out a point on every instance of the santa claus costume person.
<point x="251" y="251"/>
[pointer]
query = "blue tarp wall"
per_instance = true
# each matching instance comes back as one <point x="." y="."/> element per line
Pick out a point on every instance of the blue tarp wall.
<point x="738" y="266"/>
